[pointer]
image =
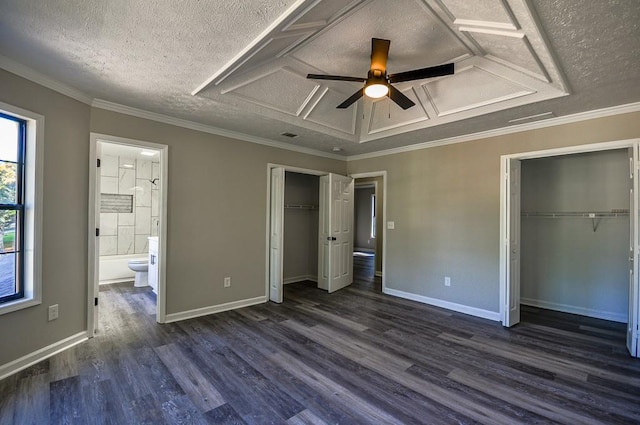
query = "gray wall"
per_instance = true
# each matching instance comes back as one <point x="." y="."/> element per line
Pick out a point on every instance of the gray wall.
<point x="362" y="236"/>
<point x="301" y="227"/>
<point x="217" y="205"/>
<point x="445" y="202"/>
<point x="216" y="213"/>
<point x="565" y="264"/>
<point x="65" y="210"/>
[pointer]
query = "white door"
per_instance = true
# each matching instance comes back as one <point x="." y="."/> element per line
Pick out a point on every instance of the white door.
<point x="512" y="296"/>
<point x="632" y="325"/>
<point x="96" y="264"/>
<point x="276" y="230"/>
<point x="335" y="257"/>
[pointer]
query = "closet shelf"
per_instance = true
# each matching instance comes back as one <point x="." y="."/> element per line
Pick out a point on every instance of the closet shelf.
<point x="595" y="216"/>
<point x="578" y="214"/>
<point x="301" y="207"/>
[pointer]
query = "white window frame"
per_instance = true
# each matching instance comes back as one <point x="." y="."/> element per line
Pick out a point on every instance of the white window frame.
<point x="33" y="167"/>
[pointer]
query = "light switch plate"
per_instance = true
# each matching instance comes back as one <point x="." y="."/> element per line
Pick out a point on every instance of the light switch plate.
<point x="53" y="312"/>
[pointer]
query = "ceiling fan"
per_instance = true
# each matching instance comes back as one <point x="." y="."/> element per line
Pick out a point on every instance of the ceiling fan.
<point x="378" y="83"/>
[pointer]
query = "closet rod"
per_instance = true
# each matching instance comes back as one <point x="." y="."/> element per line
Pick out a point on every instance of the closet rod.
<point x="579" y="214"/>
<point x="301" y="207"/>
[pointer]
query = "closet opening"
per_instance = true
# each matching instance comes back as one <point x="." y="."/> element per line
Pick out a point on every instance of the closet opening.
<point x="574" y="226"/>
<point x="300" y="249"/>
<point x="310" y="228"/>
<point x="569" y="221"/>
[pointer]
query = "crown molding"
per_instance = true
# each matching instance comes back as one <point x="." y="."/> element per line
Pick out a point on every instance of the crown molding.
<point x="551" y="122"/>
<point x="25" y="72"/>
<point x="127" y="110"/>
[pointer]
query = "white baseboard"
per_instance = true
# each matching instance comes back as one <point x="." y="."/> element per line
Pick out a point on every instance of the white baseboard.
<point x="378" y="273"/>
<point x="110" y="281"/>
<point x="41" y="354"/>
<point x="372" y="250"/>
<point x="296" y="279"/>
<point x="598" y="314"/>
<point x="204" y="311"/>
<point x="460" y="308"/>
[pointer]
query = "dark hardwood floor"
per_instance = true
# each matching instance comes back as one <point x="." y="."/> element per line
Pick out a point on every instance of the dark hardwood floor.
<point x="352" y="357"/>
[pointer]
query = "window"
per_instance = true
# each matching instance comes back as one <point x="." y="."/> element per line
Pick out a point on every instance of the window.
<point x="20" y="213"/>
<point x="373" y="216"/>
<point x="12" y="144"/>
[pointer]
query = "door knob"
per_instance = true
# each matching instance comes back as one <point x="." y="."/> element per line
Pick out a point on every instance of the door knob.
<point x="331" y="238"/>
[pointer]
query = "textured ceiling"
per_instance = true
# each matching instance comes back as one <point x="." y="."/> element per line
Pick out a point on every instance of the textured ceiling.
<point x="240" y="65"/>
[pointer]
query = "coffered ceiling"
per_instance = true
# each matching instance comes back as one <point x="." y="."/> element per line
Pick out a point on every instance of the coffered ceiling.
<point x="241" y="66"/>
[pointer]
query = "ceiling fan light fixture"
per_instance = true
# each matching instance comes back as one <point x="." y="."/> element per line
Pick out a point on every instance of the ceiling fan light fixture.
<point x="376" y="90"/>
<point x="379" y="84"/>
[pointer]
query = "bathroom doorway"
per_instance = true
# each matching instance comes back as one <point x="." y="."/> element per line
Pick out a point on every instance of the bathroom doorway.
<point x="127" y="216"/>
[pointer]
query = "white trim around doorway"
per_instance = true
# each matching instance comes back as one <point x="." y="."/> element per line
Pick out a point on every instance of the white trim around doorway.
<point x="286" y="168"/>
<point x="504" y="207"/>
<point x="162" y="230"/>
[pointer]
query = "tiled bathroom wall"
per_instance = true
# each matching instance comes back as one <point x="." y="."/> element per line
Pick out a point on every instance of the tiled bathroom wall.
<point x="124" y="233"/>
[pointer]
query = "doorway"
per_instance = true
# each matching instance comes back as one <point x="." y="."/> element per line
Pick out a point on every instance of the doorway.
<point x="300" y="250"/>
<point x="342" y="265"/>
<point x="368" y="223"/>
<point x="516" y="212"/>
<point x="127" y="216"/>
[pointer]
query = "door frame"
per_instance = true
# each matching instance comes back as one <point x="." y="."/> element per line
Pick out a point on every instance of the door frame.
<point x="270" y="166"/>
<point x="92" y="284"/>
<point x="505" y="211"/>
<point x="382" y="174"/>
<point x="318" y="173"/>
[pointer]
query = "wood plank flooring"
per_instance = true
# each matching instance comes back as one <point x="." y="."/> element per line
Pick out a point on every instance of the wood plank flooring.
<point x="352" y="357"/>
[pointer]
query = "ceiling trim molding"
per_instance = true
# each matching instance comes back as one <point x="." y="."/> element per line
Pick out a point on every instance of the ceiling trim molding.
<point x="27" y="73"/>
<point x="246" y="53"/>
<point x="551" y="122"/>
<point x="178" y="122"/>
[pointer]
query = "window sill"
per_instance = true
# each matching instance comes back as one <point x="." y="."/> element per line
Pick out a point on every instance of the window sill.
<point x="16" y="305"/>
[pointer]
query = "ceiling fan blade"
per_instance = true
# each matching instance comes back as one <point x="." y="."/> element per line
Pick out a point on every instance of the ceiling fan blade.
<point x="379" y="54"/>
<point x="354" y="97"/>
<point x="396" y="95"/>
<point x="419" y="74"/>
<point x="335" y="77"/>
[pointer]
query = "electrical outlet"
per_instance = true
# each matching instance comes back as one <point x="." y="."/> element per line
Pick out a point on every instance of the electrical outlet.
<point x="53" y="312"/>
<point x="391" y="225"/>
<point x="227" y="281"/>
<point x="447" y="281"/>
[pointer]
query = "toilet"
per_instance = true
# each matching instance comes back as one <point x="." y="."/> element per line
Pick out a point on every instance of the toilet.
<point x="141" y="267"/>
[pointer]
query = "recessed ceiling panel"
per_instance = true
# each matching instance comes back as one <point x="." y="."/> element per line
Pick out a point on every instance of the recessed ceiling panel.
<point x="282" y="90"/>
<point x="386" y="115"/>
<point x="325" y="113"/>
<point x="477" y="10"/>
<point x="470" y="89"/>
<point x="418" y="39"/>
<point x="510" y="50"/>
